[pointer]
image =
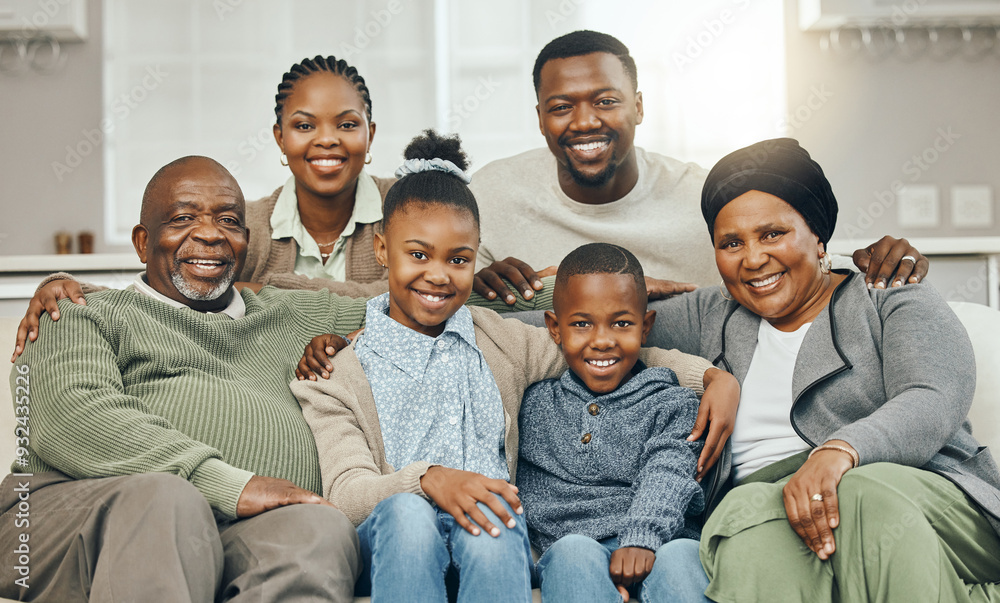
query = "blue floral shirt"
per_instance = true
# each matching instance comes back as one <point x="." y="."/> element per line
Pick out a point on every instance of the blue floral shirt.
<point x="436" y="397"/>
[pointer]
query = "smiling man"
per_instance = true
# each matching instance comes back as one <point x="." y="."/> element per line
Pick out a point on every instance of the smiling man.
<point x="164" y="456"/>
<point x="593" y="184"/>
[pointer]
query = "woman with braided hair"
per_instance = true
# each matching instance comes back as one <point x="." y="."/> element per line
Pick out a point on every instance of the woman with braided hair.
<point x="316" y="231"/>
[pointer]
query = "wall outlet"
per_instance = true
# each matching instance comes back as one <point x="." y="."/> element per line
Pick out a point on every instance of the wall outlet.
<point x="918" y="206"/>
<point x="971" y="206"/>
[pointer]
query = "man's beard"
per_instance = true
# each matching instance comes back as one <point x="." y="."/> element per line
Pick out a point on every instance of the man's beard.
<point x="187" y="290"/>
<point x="595" y="180"/>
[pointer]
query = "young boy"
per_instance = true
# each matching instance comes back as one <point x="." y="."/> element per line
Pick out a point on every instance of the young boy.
<point x="606" y="474"/>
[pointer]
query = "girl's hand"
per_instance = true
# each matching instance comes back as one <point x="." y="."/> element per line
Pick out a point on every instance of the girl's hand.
<point x="457" y="493"/>
<point x="316" y="357"/>
<point x="630" y="565"/>
<point x="45" y="300"/>
<point x="811" y="518"/>
<point x="718" y="409"/>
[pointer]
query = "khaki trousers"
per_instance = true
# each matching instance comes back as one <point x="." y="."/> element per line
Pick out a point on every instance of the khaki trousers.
<point x="153" y="537"/>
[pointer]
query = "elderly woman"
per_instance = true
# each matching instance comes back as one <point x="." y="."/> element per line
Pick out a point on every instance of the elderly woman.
<point x="856" y="474"/>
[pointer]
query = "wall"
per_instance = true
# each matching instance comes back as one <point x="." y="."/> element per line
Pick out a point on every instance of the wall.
<point x="866" y="120"/>
<point x="39" y="116"/>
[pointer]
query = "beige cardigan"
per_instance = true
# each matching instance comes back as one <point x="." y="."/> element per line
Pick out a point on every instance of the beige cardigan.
<point x="341" y="411"/>
<point x="272" y="262"/>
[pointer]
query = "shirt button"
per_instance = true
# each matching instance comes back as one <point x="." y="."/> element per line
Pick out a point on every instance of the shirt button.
<point x="442" y="344"/>
<point x="593" y="409"/>
<point x="453" y="420"/>
<point x="586" y="438"/>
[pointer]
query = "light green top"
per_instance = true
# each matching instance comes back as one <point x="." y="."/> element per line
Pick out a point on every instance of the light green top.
<point x="285" y="222"/>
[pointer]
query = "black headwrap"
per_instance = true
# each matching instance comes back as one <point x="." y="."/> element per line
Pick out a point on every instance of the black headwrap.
<point x="779" y="167"/>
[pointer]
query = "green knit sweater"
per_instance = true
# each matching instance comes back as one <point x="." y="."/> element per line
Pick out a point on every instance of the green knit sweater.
<point x="128" y="384"/>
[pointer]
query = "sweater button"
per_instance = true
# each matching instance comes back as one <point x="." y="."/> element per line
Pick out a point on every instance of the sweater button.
<point x="593" y="409"/>
<point x="586" y="438"/>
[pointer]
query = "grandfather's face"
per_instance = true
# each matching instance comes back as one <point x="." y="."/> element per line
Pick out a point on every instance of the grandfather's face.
<point x="194" y="241"/>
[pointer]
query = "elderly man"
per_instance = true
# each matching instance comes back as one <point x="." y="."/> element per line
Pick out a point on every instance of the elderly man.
<point x="593" y="184"/>
<point x="162" y="456"/>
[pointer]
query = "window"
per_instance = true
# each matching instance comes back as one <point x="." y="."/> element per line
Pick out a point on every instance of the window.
<point x="199" y="76"/>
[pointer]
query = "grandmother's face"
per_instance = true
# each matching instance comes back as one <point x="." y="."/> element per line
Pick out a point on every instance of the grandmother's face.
<point x="768" y="258"/>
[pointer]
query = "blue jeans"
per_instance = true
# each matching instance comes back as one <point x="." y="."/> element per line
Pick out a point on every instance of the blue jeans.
<point x="408" y="545"/>
<point x="576" y="568"/>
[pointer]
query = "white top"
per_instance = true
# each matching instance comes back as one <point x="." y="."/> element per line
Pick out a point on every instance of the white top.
<point x="236" y="308"/>
<point x="763" y="431"/>
<point x="286" y="222"/>
<point x="525" y="214"/>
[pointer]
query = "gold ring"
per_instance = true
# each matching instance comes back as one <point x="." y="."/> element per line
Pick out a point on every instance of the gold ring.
<point x="817" y="497"/>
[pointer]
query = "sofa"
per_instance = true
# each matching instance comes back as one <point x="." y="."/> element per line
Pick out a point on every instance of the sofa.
<point x="981" y="322"/>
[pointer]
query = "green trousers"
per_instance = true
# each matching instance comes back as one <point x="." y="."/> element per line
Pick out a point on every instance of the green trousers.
<point x="905" y="535"/>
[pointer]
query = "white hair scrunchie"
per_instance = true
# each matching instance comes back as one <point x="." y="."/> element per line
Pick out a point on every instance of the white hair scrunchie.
<point x="415" y="166"/>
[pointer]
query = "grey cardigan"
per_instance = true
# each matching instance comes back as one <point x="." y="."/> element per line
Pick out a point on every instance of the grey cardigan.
<point x="891" y="372"/>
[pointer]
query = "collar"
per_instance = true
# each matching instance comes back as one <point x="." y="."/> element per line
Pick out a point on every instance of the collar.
<point x="405" y="348"/>
<point x="286" y="222"/>
<point x="639" y="377"/>
<point x="236" y="309"/>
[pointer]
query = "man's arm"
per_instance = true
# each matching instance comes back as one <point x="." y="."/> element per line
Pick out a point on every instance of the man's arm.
<point x="84" y="424"/>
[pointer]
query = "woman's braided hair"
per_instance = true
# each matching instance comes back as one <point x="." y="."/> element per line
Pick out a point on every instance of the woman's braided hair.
<point x="308" y="67"/>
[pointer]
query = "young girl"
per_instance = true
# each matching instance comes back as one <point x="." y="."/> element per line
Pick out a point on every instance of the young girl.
<point x="316" y="231"/>
<point x="417" y="430"/>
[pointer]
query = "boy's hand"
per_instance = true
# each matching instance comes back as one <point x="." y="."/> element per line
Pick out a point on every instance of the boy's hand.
<point x="316" y="357"/>
<point x="718" y="409"/>
<point x="45" y="300"/>
<point x="630" y="565"/>
<point x="457" y="493"/>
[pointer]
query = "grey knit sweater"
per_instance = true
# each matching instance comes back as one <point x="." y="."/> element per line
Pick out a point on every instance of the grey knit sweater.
<point x="609" y="465"/>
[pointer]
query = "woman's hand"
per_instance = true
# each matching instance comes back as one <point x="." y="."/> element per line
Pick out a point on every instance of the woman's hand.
<point x="630" y="565"/>
<point x="814" y="517"/>
<point x="45" y="300"/>
<point x="884" y="258"/>
<point x="489" y="284"/>
<point x="718" y="409"/>
<point x="456" y="492"/>
<point x="316" y="357"/>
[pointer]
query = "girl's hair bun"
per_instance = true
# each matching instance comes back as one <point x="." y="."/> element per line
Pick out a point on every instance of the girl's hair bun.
<point x="431" y="145"/>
